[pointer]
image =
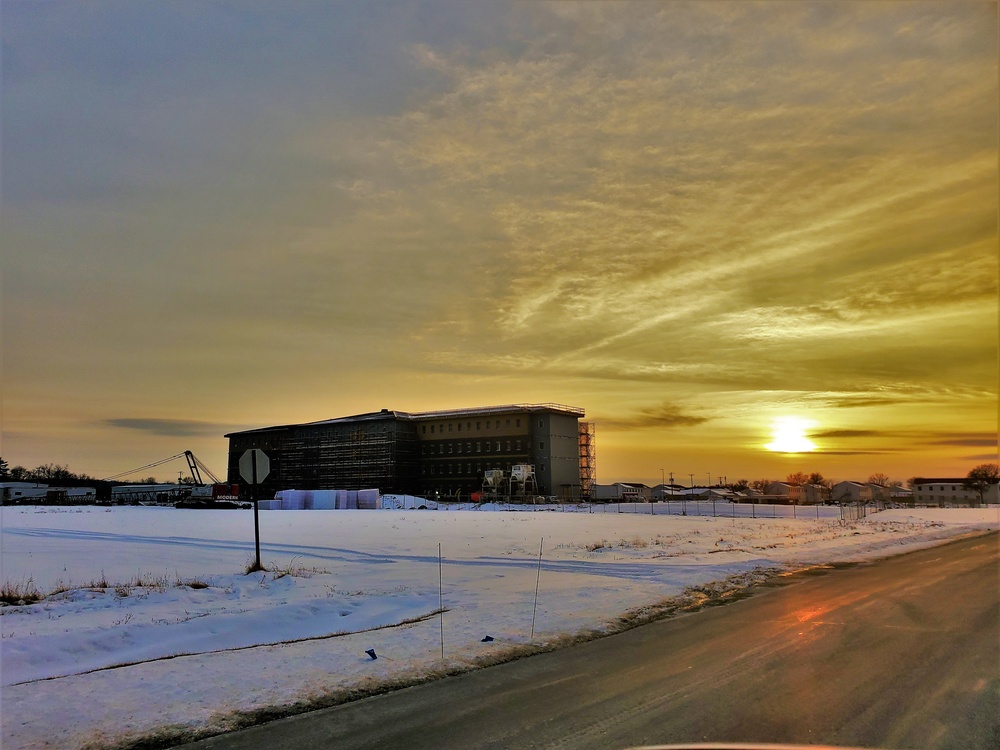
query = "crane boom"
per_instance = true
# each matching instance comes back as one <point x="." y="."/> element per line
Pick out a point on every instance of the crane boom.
<point x="193" y="468"/>
<point x="196" y="464"/>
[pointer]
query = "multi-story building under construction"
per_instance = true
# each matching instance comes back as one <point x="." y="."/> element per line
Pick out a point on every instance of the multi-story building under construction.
<point x="433" y="454"/>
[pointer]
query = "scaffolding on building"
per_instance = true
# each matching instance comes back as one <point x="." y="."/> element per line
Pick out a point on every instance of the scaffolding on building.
<point x="588" y="459"/>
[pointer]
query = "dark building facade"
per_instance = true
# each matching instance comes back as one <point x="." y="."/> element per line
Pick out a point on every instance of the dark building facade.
<point x="440" y="453"/>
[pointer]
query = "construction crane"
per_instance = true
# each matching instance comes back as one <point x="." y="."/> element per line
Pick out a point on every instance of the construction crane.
<point x="196" y="467"/>
<point x="218" y="490"/>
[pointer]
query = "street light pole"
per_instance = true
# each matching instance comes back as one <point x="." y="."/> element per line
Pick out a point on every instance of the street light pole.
<point x="684" y="507"/>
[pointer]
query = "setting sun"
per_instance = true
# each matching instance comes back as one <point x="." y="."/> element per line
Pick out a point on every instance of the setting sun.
<point x="789" y="435"/>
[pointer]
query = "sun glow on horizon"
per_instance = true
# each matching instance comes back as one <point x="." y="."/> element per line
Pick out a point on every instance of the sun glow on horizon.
<point x="789" y="435"/>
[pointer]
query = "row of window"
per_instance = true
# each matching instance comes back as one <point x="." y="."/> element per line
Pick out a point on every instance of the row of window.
<point x="488" y="446"/>
<point x="491" y="424"/>
<point x="456" y="469"/>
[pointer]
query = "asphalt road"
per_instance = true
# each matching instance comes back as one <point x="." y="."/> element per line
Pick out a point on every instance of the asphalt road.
<point x="902" y="653"/>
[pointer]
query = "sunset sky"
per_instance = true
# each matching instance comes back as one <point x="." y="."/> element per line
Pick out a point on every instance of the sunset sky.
<point x="690" y="219"/>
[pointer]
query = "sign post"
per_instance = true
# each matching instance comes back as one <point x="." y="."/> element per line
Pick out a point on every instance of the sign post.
<point x="254" y="468"/>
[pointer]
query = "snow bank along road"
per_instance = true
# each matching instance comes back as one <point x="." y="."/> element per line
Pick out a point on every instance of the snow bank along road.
<point x="151" y="629"/>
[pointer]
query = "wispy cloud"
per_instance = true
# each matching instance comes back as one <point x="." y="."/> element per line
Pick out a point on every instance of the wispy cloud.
<point x="849" y="434"/>
<point x="171" y="427"/>
<point x="968" y="439"/>
<point x="662" y="416"/>
<point x="615" y="201"/>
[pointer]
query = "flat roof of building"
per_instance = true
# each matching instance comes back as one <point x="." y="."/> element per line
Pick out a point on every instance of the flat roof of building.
<point x="573" y="411"/>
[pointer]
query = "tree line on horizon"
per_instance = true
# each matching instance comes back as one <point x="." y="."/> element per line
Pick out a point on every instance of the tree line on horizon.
<point x="61" y="475"/>
<point x="978" y="480"/>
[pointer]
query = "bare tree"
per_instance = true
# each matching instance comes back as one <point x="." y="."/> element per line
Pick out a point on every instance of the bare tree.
<point x="880" y="479"/>
<point x="761" y="485"/>
<point x="981" y="478"/>
<point x="51" y="471"/>
<point x="798" y="477"/>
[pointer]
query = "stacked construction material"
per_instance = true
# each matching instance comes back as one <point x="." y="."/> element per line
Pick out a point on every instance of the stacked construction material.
<point x="322" y="500"/>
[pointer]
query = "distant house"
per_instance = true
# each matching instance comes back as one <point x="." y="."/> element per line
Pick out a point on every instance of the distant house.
<point x="721" y="493"/>
<point x="630" y="492"/>
<point x="815" y="494"/>
<point x="664" y="492"/>
<point x="851" y="492"/>
<point x="889" y="493"/>
<point x="948" y="490"/>
<point x="786" y="492"/>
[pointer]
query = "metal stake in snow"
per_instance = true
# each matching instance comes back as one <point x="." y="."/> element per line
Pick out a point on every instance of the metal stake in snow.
<point x="538" y="575"/>
<point x="441" y="598"/>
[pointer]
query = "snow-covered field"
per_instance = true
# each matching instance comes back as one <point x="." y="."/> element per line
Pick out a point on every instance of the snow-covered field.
<point x="156" y="629"/>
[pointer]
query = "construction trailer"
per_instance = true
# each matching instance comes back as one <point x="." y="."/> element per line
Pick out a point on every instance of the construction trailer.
<point x="34" y="493"/>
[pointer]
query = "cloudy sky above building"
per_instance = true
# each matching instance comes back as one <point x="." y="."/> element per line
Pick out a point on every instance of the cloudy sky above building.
<point x="691" y="219"/>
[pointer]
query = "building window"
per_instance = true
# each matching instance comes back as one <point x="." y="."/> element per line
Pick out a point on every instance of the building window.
<point x="518" y="446"/>
<point x="432" y="429"/>
<point x="508" y="423"/>
<point x="541" y="423"/>
<point x="478" y="426"/>
<point x="541" y="446"/>
<point x="518" y="423"/>
<point x="451" y="448"/>
<point x="460" y="449"/>
<point x="449" y="427"/>
<point x="459" y="426"/>
<point x="468" y="425"/>
<point x="423" y="429"/>
<point x="498" y="446"/>
<point x="468" y="447"/>
<point x="479" y="447"/>
<point x="508" y="446"/>
<point x="440" y="449"/>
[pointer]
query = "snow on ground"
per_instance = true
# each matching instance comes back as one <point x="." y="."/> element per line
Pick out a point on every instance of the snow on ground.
<point x="156" y="629"/>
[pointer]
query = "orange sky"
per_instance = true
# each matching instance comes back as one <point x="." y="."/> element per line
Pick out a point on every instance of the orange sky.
<point x="689" y="219"/>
